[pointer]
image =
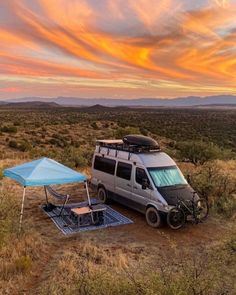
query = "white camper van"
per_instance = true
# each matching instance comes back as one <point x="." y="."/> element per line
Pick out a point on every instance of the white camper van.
<point x="136" y="173"/>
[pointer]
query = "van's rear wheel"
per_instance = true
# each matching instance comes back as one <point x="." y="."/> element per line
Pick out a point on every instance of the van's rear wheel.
<point x="153" y="217"/>
<point x="102" y="195"/>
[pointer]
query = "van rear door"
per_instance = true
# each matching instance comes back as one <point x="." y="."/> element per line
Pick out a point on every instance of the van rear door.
<point x="123" y="182"/>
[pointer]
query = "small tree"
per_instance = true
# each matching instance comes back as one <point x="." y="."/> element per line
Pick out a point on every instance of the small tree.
<point x="121" y="132"/>
<point x="198" y="152"/>
<point x="219" y="188"/>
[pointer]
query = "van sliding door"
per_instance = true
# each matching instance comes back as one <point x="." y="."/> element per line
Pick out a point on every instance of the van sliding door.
<point x="123" y="183"/>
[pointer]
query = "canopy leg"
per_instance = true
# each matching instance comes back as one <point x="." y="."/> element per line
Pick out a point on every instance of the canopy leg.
<point x="89" y="201"/>
<point x="22" y="209"/>
<point x="46" y="195"/>
<point x="86" y="186"/>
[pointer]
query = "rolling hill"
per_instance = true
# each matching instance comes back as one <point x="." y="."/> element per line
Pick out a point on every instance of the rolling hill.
<point x="190" y="101"/>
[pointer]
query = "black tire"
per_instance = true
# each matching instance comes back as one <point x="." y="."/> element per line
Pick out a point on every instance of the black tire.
<point x="102" y="195"/>
<point x="153" y="217"/>
<point x="176" y="218"/>
<point x="201" y="209"/>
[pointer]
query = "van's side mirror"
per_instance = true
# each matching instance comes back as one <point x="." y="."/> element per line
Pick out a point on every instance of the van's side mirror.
<point x="144" y="183"/>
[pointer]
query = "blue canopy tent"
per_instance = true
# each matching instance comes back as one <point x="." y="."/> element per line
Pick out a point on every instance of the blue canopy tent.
<point x="43" y="172"/>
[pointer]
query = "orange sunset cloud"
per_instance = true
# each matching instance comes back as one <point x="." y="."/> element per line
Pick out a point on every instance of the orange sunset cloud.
<point x="123" y="48"/>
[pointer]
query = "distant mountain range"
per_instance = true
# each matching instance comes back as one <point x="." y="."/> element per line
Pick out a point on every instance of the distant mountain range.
<point x="29" y="104"/>
<point x="191" y="101"/>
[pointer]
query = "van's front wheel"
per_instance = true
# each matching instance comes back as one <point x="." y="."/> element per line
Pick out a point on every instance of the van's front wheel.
<point x="153" y="217"/>
<point x="102" y="195"/>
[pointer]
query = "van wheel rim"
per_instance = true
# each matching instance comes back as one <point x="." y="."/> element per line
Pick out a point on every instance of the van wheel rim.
<point x="152" y="217"/>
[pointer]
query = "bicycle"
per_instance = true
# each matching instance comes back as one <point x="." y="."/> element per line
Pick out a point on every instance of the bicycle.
<point x="197" y="209"/>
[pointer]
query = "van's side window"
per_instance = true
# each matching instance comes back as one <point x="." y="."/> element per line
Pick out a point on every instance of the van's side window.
<point x="104" y="165"/>
<point x="124" y="170"/>
<point x="140" y="175"/>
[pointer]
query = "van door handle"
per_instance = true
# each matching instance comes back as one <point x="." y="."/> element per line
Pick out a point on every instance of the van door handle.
<point x="128" y="184"/>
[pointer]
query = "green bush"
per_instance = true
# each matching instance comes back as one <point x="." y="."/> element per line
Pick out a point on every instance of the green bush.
<point x="13" y="144"/>
<point x="232" y="244"/>
<point x="80" y="161"/>
<point x="143" y="131"/>
<point x="198" y="152"/>
<point x="9" y="129"/>
<point x="94" y="126"/>
<point x="24" y="146"/>
<point x="121" y="132"/>
<point x="219" y="188"/>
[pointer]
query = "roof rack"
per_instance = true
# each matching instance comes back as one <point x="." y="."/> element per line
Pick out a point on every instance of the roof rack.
<point x="130" y="143"/>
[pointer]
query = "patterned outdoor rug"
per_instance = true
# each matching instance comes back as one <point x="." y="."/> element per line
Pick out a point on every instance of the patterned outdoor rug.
<point x="68" y="225"/>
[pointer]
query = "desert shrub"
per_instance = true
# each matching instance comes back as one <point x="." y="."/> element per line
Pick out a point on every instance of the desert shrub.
<point x="79" y="160"/>
<point x="232" y="244"/>
<point x="218" y="187"/>
<point x="94" y="125"/>
<point x="143" y="131"/>
<point x="9" y="129"/>
<point x="121" y="132"/>
<point x="171" y="144"/>
<point x="198" y="152"/>
<point x="106" y="125"/>
<point x="58" y="141"/>
<point x="24" y="146"/>
<point x="54" y="141"/>
<point x="13" y="144"/>
<point x="75" y="143"/>
<point x="74" y="157"/>
<point x="23" y="263"/>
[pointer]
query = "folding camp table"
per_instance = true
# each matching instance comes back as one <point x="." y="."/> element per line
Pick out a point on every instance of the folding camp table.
<point x="89" y="215"/>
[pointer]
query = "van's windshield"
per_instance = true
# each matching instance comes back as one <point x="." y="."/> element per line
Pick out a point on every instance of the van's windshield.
<point x="167" y="176"/>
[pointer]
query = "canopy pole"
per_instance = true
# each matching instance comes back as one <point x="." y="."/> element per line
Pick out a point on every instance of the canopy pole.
<point x="22" y="209"/>
<point x="46" y="195"/>
<point x="86" y="186"/>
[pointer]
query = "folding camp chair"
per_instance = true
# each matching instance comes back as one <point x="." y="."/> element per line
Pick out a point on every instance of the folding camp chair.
<point x="57" y="196"/>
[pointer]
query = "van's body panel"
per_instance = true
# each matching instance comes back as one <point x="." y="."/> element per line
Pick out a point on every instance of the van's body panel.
<point x="128" y="191"/>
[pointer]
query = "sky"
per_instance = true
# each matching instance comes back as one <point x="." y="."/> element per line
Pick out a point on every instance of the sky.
<point x="117" y="48"/>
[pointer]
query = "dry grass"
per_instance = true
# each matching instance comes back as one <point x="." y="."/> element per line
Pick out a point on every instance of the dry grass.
<point x="18" y="251"/>
<point x="93" y="269"/>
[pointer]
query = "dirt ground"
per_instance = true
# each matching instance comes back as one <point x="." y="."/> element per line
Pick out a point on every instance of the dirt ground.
<point x="137" y="237"/>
